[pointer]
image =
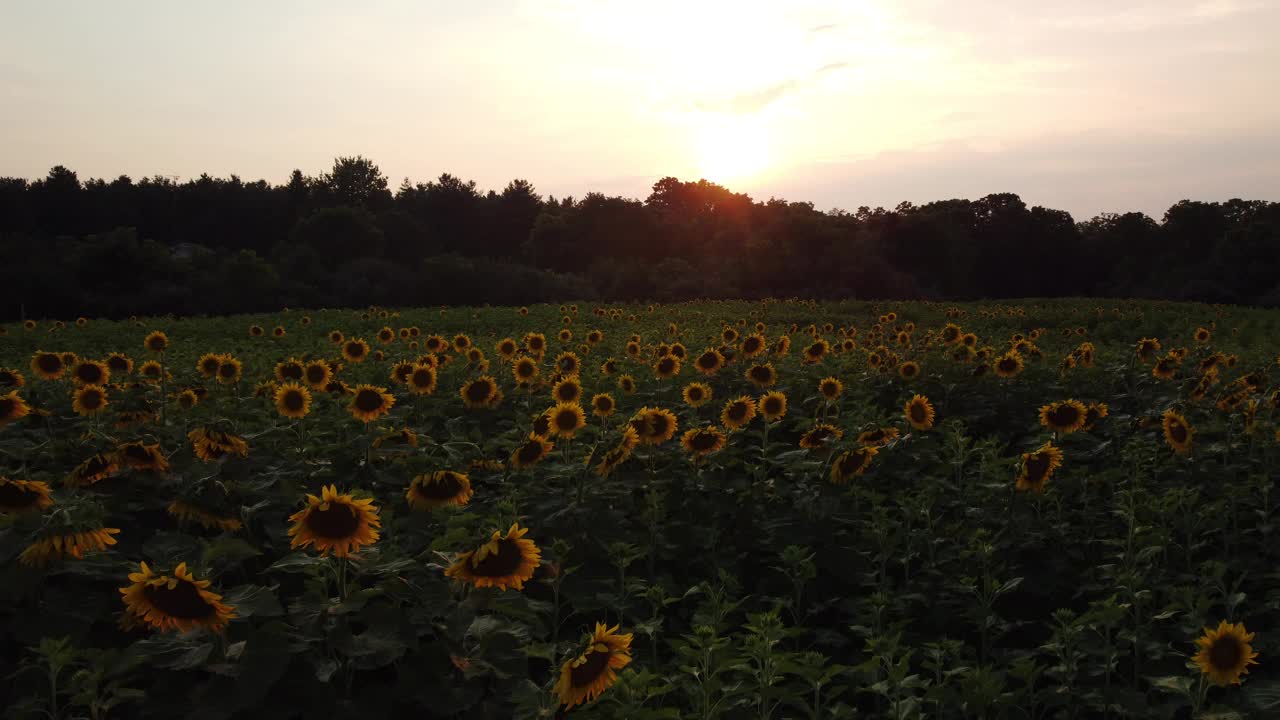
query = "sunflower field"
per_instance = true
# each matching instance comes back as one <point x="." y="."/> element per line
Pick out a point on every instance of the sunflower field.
<point x="775" y="509"/>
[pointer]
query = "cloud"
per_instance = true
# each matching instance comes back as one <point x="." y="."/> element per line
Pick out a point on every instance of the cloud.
<point x="756" y="100"/>
<point x="821" y="28"/>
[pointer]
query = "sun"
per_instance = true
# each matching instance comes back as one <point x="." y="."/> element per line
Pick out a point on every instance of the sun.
<point x="732" y="148"/>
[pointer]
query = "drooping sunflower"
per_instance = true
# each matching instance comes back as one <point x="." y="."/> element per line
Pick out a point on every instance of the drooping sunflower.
<point x="878" y="436"/>
<point x="1225" y="653"/>
<point x="229" y="370"/>
<point x="47" y="365"/>
<point x="772" y="406"/>
<point x="211" y="444"/>
<point x="90" y="372"/>
<point x="762" y="375"/>
<point x="1009" y="365"/>
<point x="909" y="370"/>
<point x="1166" y="367"/>
<point x="402" y="438"/>
<point x="12" y="408"/>
<point x="703" y="441"/>
<point x="59" y="545"/>
<point x="531" y="451"/>
<point x="177" y="602"/>
<point x="1064" y="416"/>
<point x="819" y="435"/>
<point x="654" y="426"/>
<point x="439" y="489"/>
<point x="1093" y="413"/>
<point x="1037" y="467"/>
<point x="738" y="412"/>
<point x="852" y="463"/>
<point x="567" y="419"/>
<point x="355" y="350"/>
<point x="666" y="367"/>
<point x="1177" y="432"/>
<point x="156" y="342"/>
<point x="11" y="378"/>
<point x="710" y="361"/>
<point x="626" y="384"/>
<point x="292" y="401"/>
<point x="584" y="678"/>
<point x="141" y="456"/>
<point x="98" y="467"/>
<point x="18" y="496"/>
<point x="190" y="513"/>
<point x="696" y="394"/>
<point x="208" y="364"/>
<point x="830" y="388"/>
<point x="919" y="412"/>
<point x="505" y="561"/>
<point x="603" y="405"/>
<point x="481" y="392"/>
<point x="568" y="390"/>
<point x="335" y="523"/>
<point x="89" y="400"/>
<point x="369" y="402"/>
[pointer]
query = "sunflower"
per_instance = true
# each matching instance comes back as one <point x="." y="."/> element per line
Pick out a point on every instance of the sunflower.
<point x="609" y="367"/>
<point x="618" y="454"/>
<point x="505" y="561"/>
<point x="738" y="412"/>
<point x="140" y="456"/>
<point x="762" y="375"/>
<point x="666" y="367"/>
<point x="1037" y="467"/>
<point x="753" y="345"/>
<point x="1176" y="431"/>
<point x="212" y="445"/>
<point x="119" y="363"/>
<point x="1225" y="653"/>
<point x="535" y="343"/>
<point x="567" y="419"/>
<point x="506" y="348"/>
<point x="1009" y="364"/>
<point x="830" y="388"/>
<point x="334" y="522"/>
<point x="919" y="412"/>
<point x="355" y="350"/>
<point x="852" y="463"/>
<point x="969" y="339"/>
<point x="188" y="513"/>
<point x="63" y="544"/>
<point x="98" y="467"/>
<point x="951" y="333"/>
<point x="816" y="350"/>
<point x="819" y="435"/>
<point x="461" y="342"/>
<point x="654" y="426"/>
<point x="229" y="370"/>
<point x="256" y="331"/>
<point x="278" y="331"/>
<point x="156" y="342"/>
<point x="782" y="346"/>
<point x="180" y="602"/>
<point x="23" y="495"/>
<point x="1093" y="413"/>
<point x="772" y="406"/>
<point x="603" y="405"/>
<point x="633" y="349"/>
<point x="568" y="390"/>
<point x="703" y="441"/>
<point x="12" y="408"/>
<point x="369" y="402"/>
<point x="531" y="451"/>
<point x="336" y="337"/>
<point x="1203" y="335"/>
<point x="709" y="361"/>
<point x="584" y="678"/>
<point x="909" y="370"/>
<point x="152" y="371"/>
<point x="1064" y="416"/>
<point x="386" y="335"/>
<point x="595" y="337"/>
<point x="89" y="400"/>
<point x="1166" y="367"/>
<point x="290" y="370"/>
<point x="69" y="358"/>
<point x="879" y="436"/>
<point x="439" y="489"/>
<point x="696" y="394"/>
<point x="626" y="384"/>
<point x="90" y="372"/>
<point x="292" y="401"/>
<point x="482" y="392"/>
<point x="317" y="374"/>
<point x="208" y="364"/>
<point x="47" y="365"/>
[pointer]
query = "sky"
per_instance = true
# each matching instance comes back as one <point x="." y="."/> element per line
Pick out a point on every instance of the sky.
<point x="1089" y="106"/>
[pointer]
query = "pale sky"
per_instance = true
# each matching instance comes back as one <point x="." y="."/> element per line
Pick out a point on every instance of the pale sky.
<point x="1088" y="105"/>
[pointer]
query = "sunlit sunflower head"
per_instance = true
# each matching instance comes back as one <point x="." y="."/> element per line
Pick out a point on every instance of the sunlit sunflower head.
<point x="830" y="388"/>
<point x="12" y="408"/>
<point x="709" y="361"/>
<point x="1064" y="416"/>
<point x="1177" y="431"/>
<point x="816" y="350"/>
<point x="47" y="365"/>
<point x="1037" y="467"/>
<point x="229" y="370"/>
<point x="919" y="412"/>
<point x="819" y="435"/>
<point x="441" y="488"/>
<point x="666" y="367"/>
<point x="98" y="467"/>
<point x="568" y="390"/>
<point x="90" y="372"/>
<point x="481" y="392"/>
<point x="156" y="342"/>
<point x="355" y="350"/>
<point x="531" y="451"/>
<point x="505" y="561"/>
<point x="1009" y="365"/>
<point x="654" y="426"/>
<point x="369" y="402"/>
<point x="603" y="405"/>
<point x="335" y="523"/>
<point x="626" y="384"/>
<point x="292" y="400"/>
<point x="1094" y="413"/>
<point x="61" y="544"/>
<point x="175" y="602"/>
<point x="696" y="394"/>
<point x="772" y="406"/>
<point x="567" y="419"/>
<point x="1225" y="653"/>
<point x="19" y="496"/>
<point x="738" y="412"/>
<point x="851" y="464"/>
<point x="89" y="400"/>
<point x="208" y="364"/>
<point x="762" y="375"/>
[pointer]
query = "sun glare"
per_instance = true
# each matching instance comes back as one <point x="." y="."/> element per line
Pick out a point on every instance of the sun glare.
<point x="732" y="149"/>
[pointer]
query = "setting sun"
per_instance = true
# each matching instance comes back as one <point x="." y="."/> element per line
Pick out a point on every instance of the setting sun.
<point x="732" y="149"/>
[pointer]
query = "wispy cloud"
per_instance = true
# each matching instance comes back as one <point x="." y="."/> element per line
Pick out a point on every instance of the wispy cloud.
<point x="756" y="100"/>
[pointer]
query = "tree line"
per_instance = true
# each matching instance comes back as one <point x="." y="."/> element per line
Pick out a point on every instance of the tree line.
<point x="344" y="238"/>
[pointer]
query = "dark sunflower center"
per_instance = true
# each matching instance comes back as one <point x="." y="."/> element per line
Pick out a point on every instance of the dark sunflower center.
<point x="909" y="370"/>
<point x="566" y="420"/>
<point x="658" y="425"/>
<point x="704" y="441"/>
<point x="707" y="360"/>
<point x="94" y="466"/>
<point x="918" y="413"/>
<point x="355" y="350"/>
<point x="339" y="521"/>
<point x="751" y="345"/>
<point x="91" y="399"/>
<point x="695" y="393"/>
<point x="628" y="384"/>
<point x="772" y="406"/>
<point x="91" y="374"/>
<point x="814" y="350"/>
<point x="316" y="374"/>
<point x="183" y="601"/>
<point x="8" y="406"/>
<point x="589" y="671"/>
<point x="760" y="373"/>
<point x="12" y="496"/>
<point x="666" y="365"/>
<point x="369" y="400"/>
<point x="567" y="392"/>
<point x="1064" y="416"/>
<point x="502" y="563"/>
<point x="737" y="411"/>
<point x="291" y="371"/>
<point x="530" y="452"/>
<point x="852" y="461"/>
<point x="1007" y="365"/>
<point x="422" y="378"/>
<point x="604" y="403"/>
<point x="440" y="488"/>
<point x="1226" y="653"/>
<point x="568" y="366"/>
<point x="138" y="453"/>
<point x="1178" y="431"/>
<point x="49" y="363"/>
<point x="293" y="401"/>
<point x="210" y="366"/>
<point x="478" y="391"/>
<point x="1091" y="416"/>
<point x="829" y="389"/>
<point x="227" y="370"/>
<point x="1037" y="466"/>
<point x="117" y="363"/>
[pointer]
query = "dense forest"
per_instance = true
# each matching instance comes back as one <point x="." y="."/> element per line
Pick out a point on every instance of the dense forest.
<point x="212" y="245"/>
